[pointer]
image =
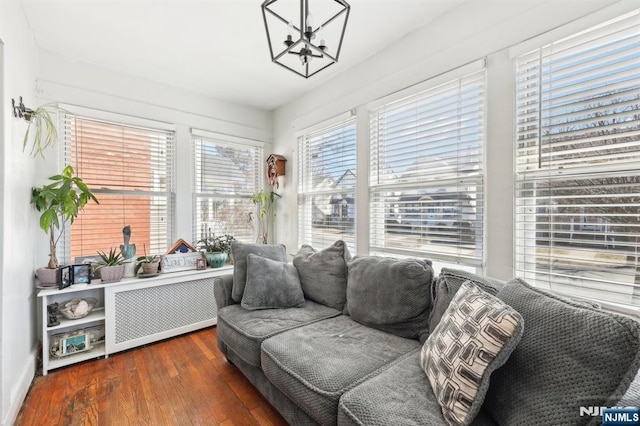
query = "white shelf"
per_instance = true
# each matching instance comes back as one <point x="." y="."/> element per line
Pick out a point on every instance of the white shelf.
<point x="96" y="352"/>
<point x="171" y="276"/>
<point x="96" y="314"/>
<point x="195" y="286"/>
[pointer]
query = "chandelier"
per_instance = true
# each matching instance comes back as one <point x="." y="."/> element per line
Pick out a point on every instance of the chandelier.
<point x="302" y="38"/>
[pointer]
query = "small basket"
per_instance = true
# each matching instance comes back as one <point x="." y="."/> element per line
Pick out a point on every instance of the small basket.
<point x="74" y="309"/>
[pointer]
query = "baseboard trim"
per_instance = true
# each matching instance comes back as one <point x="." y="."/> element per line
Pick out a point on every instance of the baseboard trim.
<point x="19" y="392"/>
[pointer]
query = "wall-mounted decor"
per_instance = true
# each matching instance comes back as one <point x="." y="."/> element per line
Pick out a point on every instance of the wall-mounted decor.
<point x="275" y="168"/>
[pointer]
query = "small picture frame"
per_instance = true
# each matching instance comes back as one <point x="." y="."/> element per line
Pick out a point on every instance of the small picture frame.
<point x="75" y="344"/>
<point x="201" y="264"/>
<point x="64" y="277"/>
<point x="81" y="274"/>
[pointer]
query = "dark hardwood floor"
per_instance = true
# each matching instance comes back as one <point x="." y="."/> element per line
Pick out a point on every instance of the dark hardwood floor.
<point x="181" y="381"/>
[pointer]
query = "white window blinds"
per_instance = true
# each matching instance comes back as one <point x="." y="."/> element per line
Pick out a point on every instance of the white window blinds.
<point x="426" y="175"/>
<point x="130" y="171"/>
<point x="327" y="186"/>
<point x="225" y="175"/>
<point x="577" y="163"/>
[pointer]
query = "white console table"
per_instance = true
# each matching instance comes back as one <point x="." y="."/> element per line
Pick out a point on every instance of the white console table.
<point x="134" y="312"/>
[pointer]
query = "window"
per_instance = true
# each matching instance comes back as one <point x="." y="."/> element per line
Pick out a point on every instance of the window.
<point x="130" y="171"/>
<point x="426" y="177"/>
<point x="577" y="156"/>
<point x="327" y="186"/>
<point x="226" y="174"/>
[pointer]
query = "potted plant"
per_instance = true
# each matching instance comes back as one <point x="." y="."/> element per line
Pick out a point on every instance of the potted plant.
<point x="41" y="128"/>
<point x="59" y="202"/>
<point x="266" y="203"/>
<point x="149" y="264"/>
<point x="111" y="266"/>
<point x="216" y="249"/>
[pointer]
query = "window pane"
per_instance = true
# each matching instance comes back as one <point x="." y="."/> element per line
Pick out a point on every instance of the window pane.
<point x="426" y="175"/>
<point x="225" y="177"/>
<point x="129" y="169"/>
<point x="326" y="187"/>
<point x="577" y="151"/>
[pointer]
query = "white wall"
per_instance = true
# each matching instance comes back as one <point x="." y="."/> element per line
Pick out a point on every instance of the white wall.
<point x="461" y="36"/>
<point x="19" y="222"/>
<point x="40" y="76"/>
<point x="79" y="84"/>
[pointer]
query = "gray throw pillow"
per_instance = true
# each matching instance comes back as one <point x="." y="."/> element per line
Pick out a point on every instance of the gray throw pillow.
<point x="271" y="284"/>
<point x="392" y="295"/>
<point x="570" y="356"/>
<point x="323" y="273"/>
<point x="240" y="251"/>
<point x="477" y="334"/>
<point x="447" y="285"/>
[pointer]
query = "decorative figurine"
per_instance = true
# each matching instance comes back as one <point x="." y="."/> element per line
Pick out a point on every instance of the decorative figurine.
<point x="128" y="253"/>
<point x="128" y="250"/>
<point x="52" y="315"/>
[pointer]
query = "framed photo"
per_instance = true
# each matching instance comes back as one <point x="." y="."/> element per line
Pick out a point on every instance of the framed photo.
<point x="201" y="264"/>
<point x="64" y="277"/>
<point x="81" y="274"/>
<point x="74" y="344"/>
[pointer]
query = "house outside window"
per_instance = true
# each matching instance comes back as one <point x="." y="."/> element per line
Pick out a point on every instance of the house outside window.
<point x="226" y="173"/>
<point x="426" y="179"/>
<point x="577" y="155"/>
<point x="327" y="185"/>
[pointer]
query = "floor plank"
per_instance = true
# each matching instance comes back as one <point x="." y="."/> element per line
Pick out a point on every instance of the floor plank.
<point x="181" y="381"/>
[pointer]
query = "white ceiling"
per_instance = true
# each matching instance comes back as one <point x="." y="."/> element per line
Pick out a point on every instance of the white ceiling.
<point x="217" y="48"/>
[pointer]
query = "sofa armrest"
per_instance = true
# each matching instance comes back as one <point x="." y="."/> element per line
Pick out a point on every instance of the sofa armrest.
<point x="222" y="290"/>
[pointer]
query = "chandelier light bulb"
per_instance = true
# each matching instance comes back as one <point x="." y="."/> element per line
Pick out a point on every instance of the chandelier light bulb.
<point x="309" y="22"/>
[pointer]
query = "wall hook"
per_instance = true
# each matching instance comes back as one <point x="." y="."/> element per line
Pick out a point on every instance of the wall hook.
<point x="20" y="111"/>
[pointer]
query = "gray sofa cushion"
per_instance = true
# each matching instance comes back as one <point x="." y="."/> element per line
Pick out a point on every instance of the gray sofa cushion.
<point x="400" y="395"/>
<point x="243" y="331"/>
<point x="448" y="283"/>
<point x="570" y="355"/>
<point x="323" y="273"/>
<point x="240" y="251"/>
<point x="271" y="284"/>
<point x="314" y="365"/>
<point x="392" y="295"/>
<point x="475" y="336"/>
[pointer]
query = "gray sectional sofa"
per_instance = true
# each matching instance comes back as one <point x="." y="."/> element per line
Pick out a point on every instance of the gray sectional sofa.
<point x="349" y="352"/>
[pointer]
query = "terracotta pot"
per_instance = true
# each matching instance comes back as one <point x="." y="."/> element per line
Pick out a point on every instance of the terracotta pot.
<point x="47" y="276"/>
<point x="150" y="268"/>
<point x="111" y="274"/>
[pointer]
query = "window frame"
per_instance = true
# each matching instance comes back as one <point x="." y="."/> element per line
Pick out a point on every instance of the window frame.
<point x="110" y="118"/>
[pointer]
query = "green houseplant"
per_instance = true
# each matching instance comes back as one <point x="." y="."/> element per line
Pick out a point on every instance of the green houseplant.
<point x="111" y="266"/>
<point x="266" y="204"/>
<point x="216" y="248"/>
<point x="41" y="129"/>
<point x="59" y="202"/>
<point x="149" y="264"/>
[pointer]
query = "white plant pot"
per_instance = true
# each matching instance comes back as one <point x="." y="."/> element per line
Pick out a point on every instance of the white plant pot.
<point x="129" y="269"/>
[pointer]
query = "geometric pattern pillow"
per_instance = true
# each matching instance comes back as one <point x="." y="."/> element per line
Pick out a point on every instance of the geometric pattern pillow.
<point x="475" y="336"/>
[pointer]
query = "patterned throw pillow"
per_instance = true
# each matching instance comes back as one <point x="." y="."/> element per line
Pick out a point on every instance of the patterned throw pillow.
<point x="475" y="336"/>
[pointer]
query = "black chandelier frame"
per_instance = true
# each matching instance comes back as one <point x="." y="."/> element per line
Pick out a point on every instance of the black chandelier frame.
<point x="303" y="46"/>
